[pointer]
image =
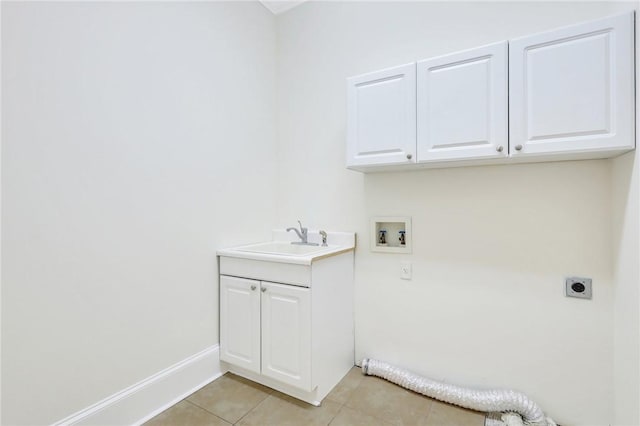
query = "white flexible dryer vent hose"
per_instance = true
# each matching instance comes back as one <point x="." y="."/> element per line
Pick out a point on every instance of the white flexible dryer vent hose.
<point x="490" y="401"/>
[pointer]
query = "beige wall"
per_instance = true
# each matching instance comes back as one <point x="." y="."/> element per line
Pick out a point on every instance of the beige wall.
<point x="138" y="138"/>
<point x="626" y="255"/>
<point x="492" y="244"/>
<point x="626" y="268"/>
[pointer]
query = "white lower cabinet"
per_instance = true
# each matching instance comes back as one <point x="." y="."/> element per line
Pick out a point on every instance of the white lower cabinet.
<point x="296" y="336"/>
<point x="286" y="334"/>
<point x="240" y="322"/>
<point x="265" y="327"/>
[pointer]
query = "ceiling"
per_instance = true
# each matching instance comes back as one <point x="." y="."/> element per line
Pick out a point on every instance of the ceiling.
<point x="280" y="6"/>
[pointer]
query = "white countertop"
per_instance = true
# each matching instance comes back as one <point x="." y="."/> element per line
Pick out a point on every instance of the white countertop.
<point x="338" y="243"/>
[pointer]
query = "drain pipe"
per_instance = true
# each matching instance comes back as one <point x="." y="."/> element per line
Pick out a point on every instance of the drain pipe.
<point x="507" y="402"/>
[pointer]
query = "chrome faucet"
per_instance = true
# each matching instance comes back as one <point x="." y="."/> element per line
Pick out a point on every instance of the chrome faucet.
<point x="302" y="234"/>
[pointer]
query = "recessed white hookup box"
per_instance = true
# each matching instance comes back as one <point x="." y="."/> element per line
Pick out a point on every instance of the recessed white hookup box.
<point x="391" y="234"/>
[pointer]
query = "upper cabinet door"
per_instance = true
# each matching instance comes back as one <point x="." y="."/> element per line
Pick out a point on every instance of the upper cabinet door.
<point x="572" y="89"/>
<point x="381" y="125"/>
<point x="462" y="105"/>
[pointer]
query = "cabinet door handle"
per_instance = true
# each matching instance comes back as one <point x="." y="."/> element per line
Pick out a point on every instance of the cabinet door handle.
<point x="409" y="156"/>
<point x="253" y="287"/>
<point x="499" y="148"/>
<point x="518" y="147"/>
<point x="263" y="289"/>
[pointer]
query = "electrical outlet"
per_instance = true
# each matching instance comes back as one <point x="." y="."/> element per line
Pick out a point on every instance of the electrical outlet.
<point x="405" y="270"/>
<point x="578" y="287"/>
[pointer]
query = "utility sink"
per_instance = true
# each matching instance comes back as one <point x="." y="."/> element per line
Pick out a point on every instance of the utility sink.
<point x="280" y="249"/>
<point x="286" y="312"/>
<point x="283" y="248"/>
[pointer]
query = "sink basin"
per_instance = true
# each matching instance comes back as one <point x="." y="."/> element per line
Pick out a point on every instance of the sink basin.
<point x="282" y="248"/>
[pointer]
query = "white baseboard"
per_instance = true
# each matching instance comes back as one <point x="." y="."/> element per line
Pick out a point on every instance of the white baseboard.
<point x="149" y="397"/>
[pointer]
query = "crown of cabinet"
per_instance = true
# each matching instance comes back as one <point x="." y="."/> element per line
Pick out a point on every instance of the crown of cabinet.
<point x="562" y="94"/>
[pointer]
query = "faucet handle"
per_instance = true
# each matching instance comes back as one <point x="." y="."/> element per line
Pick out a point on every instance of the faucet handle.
<point x="324" y="238"/>
<point x="302" y="229"/>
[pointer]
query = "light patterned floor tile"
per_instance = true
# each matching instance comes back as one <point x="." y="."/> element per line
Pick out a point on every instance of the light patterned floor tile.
<point x="368" y="401"/>
<point x="350" y="417"/>
<point x="282" y="410"/>
<point x="442" y="414"/>
<point x="343" y="390"/>
<point x="389" y="402"/>
<point x="185" y="413"/>
<point x="230" y="397"/>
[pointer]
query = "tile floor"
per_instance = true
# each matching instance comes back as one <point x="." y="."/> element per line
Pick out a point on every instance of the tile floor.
<point x="356" y="400"/>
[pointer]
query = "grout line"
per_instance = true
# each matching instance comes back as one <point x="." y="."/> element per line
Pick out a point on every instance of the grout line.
<point x="229" y="421"/>
<point x="210" y="412"/>
<point x="336" y="414"/>
<point x="204" y="409"/>
<point x="197" y="405"/>
<point x="254" y="408"/>
<point x="354" y="392"/>
<point x="429" y="410"/>
<point x="365" y="378"/>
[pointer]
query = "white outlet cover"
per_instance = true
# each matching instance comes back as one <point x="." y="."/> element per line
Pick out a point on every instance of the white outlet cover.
<point x="405" y="270"/>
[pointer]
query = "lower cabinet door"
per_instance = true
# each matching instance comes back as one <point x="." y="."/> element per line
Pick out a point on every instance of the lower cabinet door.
<point x="286" y="334"/>
<point x="240" y="322"/>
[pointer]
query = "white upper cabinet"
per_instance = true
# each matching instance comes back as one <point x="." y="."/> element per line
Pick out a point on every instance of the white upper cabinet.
<point x="382" y="117"/>
<point x="560" y="95"/>
<point x="571" y="90"/>
<point x="462" y="105"/>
